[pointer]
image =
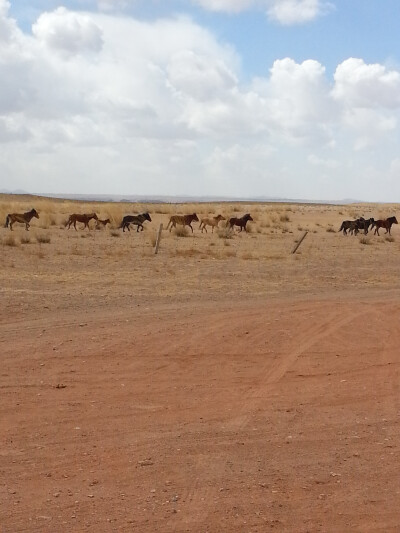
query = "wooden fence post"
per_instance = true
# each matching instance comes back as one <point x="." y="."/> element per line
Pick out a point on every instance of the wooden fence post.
<point x="299" y="242"/>
<point x="158" y="238"/>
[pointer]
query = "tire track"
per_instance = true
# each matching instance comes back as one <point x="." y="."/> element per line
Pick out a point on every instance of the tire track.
<point x="270" y="376"/>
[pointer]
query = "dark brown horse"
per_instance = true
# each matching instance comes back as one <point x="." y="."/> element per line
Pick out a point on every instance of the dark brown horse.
<point x="213" y="222"/>
<point x="241" y="222"/>
<point x="387" y="224"/>
<point x="23" y="218"/>
<point x="182" y="220"/>
<point x="355" y="226"/>
<point x="136" y="220"/>
<point x="85" y="218"/>
<point x="102" y="223"/>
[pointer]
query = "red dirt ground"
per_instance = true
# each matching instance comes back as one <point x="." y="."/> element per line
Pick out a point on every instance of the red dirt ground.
<point x="269" y="415"/>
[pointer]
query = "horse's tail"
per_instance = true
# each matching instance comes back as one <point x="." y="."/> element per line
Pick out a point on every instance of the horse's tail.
<point x="342" y="226"/>
<point x="7" y="221"/>
<point x="170" y="222"/>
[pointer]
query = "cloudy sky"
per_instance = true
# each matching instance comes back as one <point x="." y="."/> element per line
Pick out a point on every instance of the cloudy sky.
<point x="243" y="98"/>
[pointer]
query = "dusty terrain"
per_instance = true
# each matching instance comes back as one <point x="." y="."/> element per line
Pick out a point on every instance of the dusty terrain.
<point x="224" y="384"/>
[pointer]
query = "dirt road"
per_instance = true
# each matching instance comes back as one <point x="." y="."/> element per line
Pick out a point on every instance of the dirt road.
<point x="267" y="415"/>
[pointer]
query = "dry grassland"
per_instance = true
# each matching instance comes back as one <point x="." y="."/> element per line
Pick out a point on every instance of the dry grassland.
<point x="108" y="264"/>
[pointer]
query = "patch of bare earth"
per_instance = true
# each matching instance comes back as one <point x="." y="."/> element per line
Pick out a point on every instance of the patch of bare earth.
<point x="202" y="392"/>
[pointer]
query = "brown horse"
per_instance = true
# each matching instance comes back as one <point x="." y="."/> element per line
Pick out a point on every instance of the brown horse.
<point x="213" y="222"/>
<point x="73" y="219"/>
<point x="183" y="220"/>
<point x="387" y="224"/>
<point x="23" y="218"/>
<point x="102" y="223"/>
<point x="241" y="222"/>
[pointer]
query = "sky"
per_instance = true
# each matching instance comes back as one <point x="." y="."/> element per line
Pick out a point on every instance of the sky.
<point x="294" y="99"/>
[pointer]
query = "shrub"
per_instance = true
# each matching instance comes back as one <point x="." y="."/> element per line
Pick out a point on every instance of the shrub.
<point x="43" y="239"/>
<point x="10" y="241"/>
<point x="225" y="233"/>
<point x="181" y="231"/>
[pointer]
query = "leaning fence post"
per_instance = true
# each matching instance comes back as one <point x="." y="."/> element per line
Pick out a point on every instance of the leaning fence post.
<point x="158" y="238"/>
<point x="299" y="242"/>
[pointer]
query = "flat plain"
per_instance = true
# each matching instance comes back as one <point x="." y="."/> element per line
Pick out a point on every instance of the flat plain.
<point x="224" y="384"/>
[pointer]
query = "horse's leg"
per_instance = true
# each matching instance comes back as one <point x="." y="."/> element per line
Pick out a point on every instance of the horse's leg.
<point x="27" y="226"/>
<point x="190" y="226"/>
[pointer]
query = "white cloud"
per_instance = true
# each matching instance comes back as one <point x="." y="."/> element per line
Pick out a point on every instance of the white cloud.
<point x="287" y="12"/>
<point x="68" y="32"/>
<point x="322" y="162"/>
<point x="112" y="5"/>
<point x="297" y="99"/>
<point x="8" y="26"/>
<point x="291" y="12"/>
<point x="361" y="85"/>
<point x="199" y="76"/>
<point x="160" y="107"/>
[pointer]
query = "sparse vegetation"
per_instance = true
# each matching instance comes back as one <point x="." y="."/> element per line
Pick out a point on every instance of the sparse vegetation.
<point x="181" y="231"/>
<point x="10" y="240"/>
<point x="43" y="239"/>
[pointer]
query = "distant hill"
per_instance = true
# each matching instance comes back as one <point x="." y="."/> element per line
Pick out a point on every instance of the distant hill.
<point x="148" y="199"/>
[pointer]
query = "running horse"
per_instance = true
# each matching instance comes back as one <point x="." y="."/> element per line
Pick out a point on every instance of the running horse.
<point x="135" y="220"/>
<point x="387" y="224"/>
<point x="85" y="218"/>
<point x="182" y="220"/>
<point x="213" y="222"/>
<point x="241" y="222"/>
<point x="102" y="223"/>
<point x="23" y="218"/>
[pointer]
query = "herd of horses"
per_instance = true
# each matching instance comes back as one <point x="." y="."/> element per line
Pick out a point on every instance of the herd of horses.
<point x="135" y="220"/>
<point x="352" y="226"/>
<point x="362" y="224"/>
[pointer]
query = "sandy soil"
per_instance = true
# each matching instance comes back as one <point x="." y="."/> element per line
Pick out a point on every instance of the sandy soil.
<point x="200" y="391"/>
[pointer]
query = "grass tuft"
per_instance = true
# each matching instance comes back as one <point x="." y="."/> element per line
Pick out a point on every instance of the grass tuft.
<point x="10" y="241"/>
<point x="43" y="239"/>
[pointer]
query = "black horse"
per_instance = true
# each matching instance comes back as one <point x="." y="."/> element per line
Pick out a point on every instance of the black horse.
<point x="361" y="225"/>
<point x="241" y="222"/>
<point x="354" y="226"/>
<point x="136" y="220"/>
